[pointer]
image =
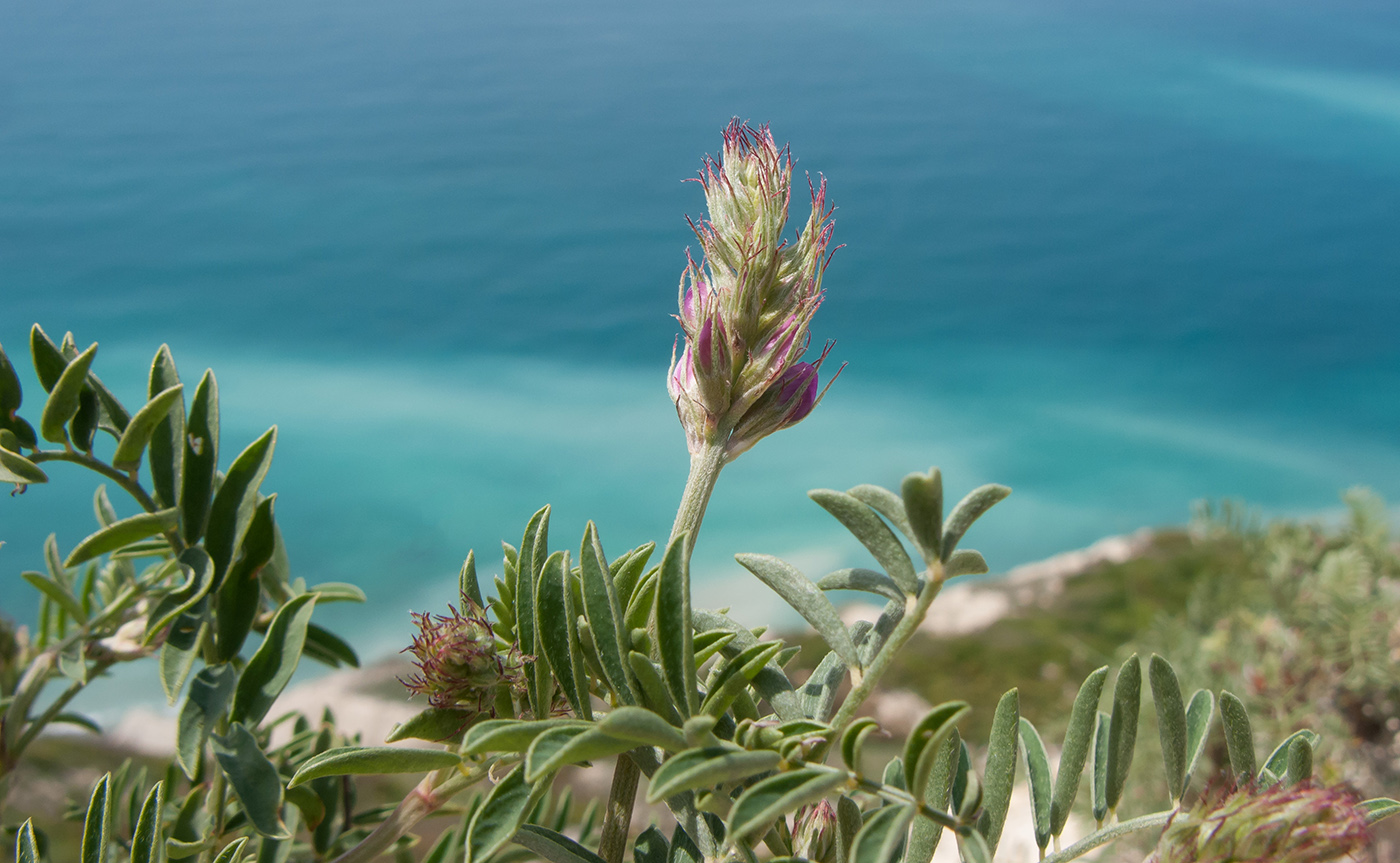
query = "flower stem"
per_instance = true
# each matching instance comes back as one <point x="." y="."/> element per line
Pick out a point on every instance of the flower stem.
<point x="422" y="801"/>
<point x="617" y="819"/>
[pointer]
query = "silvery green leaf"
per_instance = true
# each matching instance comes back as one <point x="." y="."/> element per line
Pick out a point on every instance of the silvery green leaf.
<point x="675" y="627"/>
<point x="271" y="667"/>
<point x="888" y="504"/>
<point x="999" y="777"/>
<point x="1171" y="723"/>
<point x="351" y="760"/>
<point x="1239" y="737"/>
<point x="253" y="778"/>
<point x="1100" y="776"/>
<point x="1079" y="737"/>
<point x="1300" y="761"/>
<point x="965" y="561"/>
<point x="166" y="447"/>
<point x="923" y="504"/>
<point x="97" y="825"/>
<point x="873" y="533"/>
<point x="867" y="580"/>
<point x="201" y="459"/>
<point x="1278" y="759"/>
<point x="1038" y="776"/>
<point x="806" y="598"/>
<point x="604" y="616"/>
<point x="137" y="435"/>
<point x="767" y="800"/>
<point x="736" y="673"/>
<point x="552" y="614"/>
<point x="65" y="397"/>
<point x="511" y="735"/>
<point x="1378" y="807"/>
<point x="642" y="728"/>
<point x="500" y="815"/>
<point x="208" y="695"/>
<point x="552" y="846"/>
<point x="1199" y="714"/>
<point x="708" y="767"/>
<point x="924" y="740"/>
<point x="926" y="832"/>
<point x="467" y="585"/>
<point x="968" y="510"/>
<point x="121" y="533"/>
<point x="15" y="468"/>
<point x="651" y="847"/>
<point x="853" y="738"/>
<point x="882" y="837"/>
<point x="147" y="846"/>
<point x="1122" y="728"/>
<point x="974" y="848"/>
<point x="26" y="846"/>
<point x="770" y="683"/>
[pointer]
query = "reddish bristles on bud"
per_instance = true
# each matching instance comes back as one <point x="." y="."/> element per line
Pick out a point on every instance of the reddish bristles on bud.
<point x="1301" y="823"/>
<point x="747" y="306"/>
<point x="460" y="662"/>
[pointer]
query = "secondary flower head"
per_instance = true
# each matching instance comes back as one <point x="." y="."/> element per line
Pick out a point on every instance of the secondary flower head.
<point x="746" y="307"/>
<point x="461" y="662"/>
<point x="814" y="833"/>
<point x="1302" y="823"/>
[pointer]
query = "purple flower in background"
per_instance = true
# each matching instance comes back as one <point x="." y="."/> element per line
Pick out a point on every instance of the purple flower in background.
<point x="746" y="307"/>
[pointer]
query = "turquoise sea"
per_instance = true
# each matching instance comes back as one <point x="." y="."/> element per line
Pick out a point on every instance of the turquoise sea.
<point x="1118" y="256"/>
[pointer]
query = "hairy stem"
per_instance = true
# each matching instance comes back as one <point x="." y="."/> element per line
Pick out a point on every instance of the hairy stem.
<point x="617" y="819"/>
<point x="1108" y="834"/>
<point x="907" y="626"/>
<point x="435" y="790"/>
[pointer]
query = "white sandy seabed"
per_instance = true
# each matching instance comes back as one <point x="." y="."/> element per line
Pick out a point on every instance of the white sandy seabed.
<point x="961" y="609"/>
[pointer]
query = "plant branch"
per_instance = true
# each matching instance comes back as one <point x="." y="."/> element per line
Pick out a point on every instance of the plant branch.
<point x="1108" y="834"/>
<point x="126" y="480"/>
<point x="422" y="801"/>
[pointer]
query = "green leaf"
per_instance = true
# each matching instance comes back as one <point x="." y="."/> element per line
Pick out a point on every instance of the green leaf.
<point x="49" y="361"/>
<point x="873" y="533"/>
<point x="467" y="584"/>
<point x="735" y="674"/>
<point x="309" y="803"/>
<point x="1122" y="728"/>
<point x="328" y="648"/>
<point x="97" y="826"/>
<point x="923" y="503"/>
<point x="59" y="593"/>
<point x="26" y="847"/>
<point x="123" y="533"/>
<point x="759" y="806"/>
<point x="921" y="747"/>
<point x="1079" y="737"/>
<point x="534" y="548"/>
<point x="1377" y="808"/>
<point x="240" y="590"/>
<point x="234" y="502"/>
<point x="271" y="667"/>
<point x="806" y="598"/>
<point x="770" y="683"/>
<point x="11" y="393"/>
<point x="65" y="397"/>
<point x="651" y="847"/>
<point x="604" y="616"/>
<point x="853" y="739"/>
<point x="973" y="848"/>
<point x="554" y="847"/>
<point x="652" y="688"/>
<point x="683" y="849"/>
<point x="561" y="747"/>
<point x="132" y="444"/>
<point x="167" y="447"/>
<point x="498" y="818"/>
<point x="706" y="768"/>
<point x="355" y="760"/>
<point x="926" y="833"/>
<point x="968" y="510"/>
<point x="1038" y="775"/>
<point x="204" y="704"/>
<point x="201" y="458"/>
<point x="253" y="778"/>
<point x="112" y="416"/>
<point x="199" y="577"/>
<point x="1171" y="723"/>
<point x="179" y="652"/>
<point x="1300" y="761"/>
<point x="19" y="470"/>
<point x="511" y="735"/>
<point x="552" y="613"/>
<point x="1278" y="759"/>
<point x="867" y="580"/>
<point x="436" y="724"/>
<point x="231" y="851"/>
<point x="880" y="839"/>
<point x="675" y="632"/>
<point x="1199" y="714"/>
<point x="1102" y="741"/>
<point x="147" y="846"/>
<point x="965" y="561"/>
<point x="1239" y="737"/>
<point x="886" y="503"/>
<point x="643" y="728"/>
<point x="1000" y="773"/>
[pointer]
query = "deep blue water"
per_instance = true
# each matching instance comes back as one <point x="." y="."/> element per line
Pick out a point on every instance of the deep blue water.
<point x="1118" y="256"/>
